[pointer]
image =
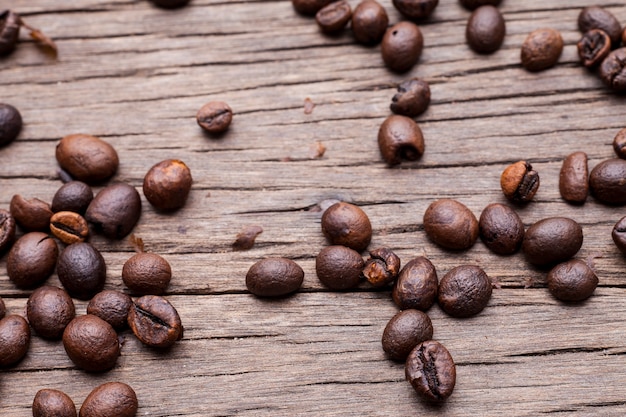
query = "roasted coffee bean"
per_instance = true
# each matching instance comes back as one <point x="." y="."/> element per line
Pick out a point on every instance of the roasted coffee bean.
<point x="399" y="137"/>
<point x="593" y="47"/>
<point x="613" y="70"/>
<point x="339" y="267"/>
<point x="215" y="117"/>
<point x="450" y="224"/>
<point x="574" y="178"/>
<point x="14" y="339"/>
<point x="595" y="17"/>
<point x="10" y="24"/>
<point x="382" y="267"/>
<point x="334" y="17"/>
<point x="404" y="331"/>
<point x="431" y="371"/>
<point x="619" y="144"/>
<point x="501" y="229"/>
<point x="110" y="399"/>
<point x="111" y="306"/>
<point x="31" y="215"/>
<point x="519" y="182"/>
<point x="464" y="291"/>
<point x="402" y="46"/>
<point x="309" y="7"/>
<point x="274" y="277"/>
<point x="416" y="9"/>
<point x="32" y="259"/>
<point x="348" y="225"/>
<point x="541" y="49"/>
<point x="167" y="184"/>
<point x="115" y="210"/>
<point x="170" y="4"/>
<point x="473" y="4"/>
<point x="369" y="22"/>
<point x="607" y="181"/>
<point x="91" y="343"/>
<point x="619" y="235"/>
<point x="69" y="227"/>
<point x="485" y="30"/>
<point x="7" y="230"/>
<point x="49" y="310"/>
<point x="81" y="270"/>
<point x="53" y="403"/>
<point x="624" y="36"/>
<point x="72" y="196"/>
<point x="572" y="281"/>
<point x="147" y="273"/>
<point x="87" y="158"/>
<point x="3" y="308"/>
<point x="416" y="286"/>
<point x="412" y="98"/>
<point x="552" y="240"/>
<point x="155" y="321"/>
<point x="10" y="118"/>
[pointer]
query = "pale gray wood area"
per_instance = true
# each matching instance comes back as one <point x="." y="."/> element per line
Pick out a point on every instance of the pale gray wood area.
<point x="135" y="75"/>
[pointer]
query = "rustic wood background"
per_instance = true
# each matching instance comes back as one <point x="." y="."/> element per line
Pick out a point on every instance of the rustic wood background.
<point x="135" y="75"/>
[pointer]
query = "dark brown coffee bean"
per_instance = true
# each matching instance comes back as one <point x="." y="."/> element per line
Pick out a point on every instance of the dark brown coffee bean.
<point x="31" y="215"/>
<point x="485" y="30"/>
<point x="382" y="267"/>
<point x="170" y="4"/>
<point x="53" y="403"/>
<point x="473" y="4"/>
<point x="593" y="47"/>
<point x="402" y="46"/>
<point x="431" y="371"/>
<point x="155" y="321"/>
<point x="10" y="24"/>
<point x="10" y="117"/>
<point x="412" y="98"/>
<point x="369" y="22"/>
<point x="334" y="17"/>
<point x="7" y="230"/>
<point x="450" y="224"/>
<point x="619" y="144"/>
<point x="574" y="178"/>
<point x="87" y="158"/>
<point x="111" y="306"/>
<point x="115" y="210"/>
<point x="147" y="273"/>
<point x="599" y="18"/>
<point x="69" y="227"/>
<point x="399" y="137"/>
<point x="404" y="331"/>
<point x="619" y="235"/>
<point x="32" y="259"/>
<point x="416" y="9"/>
<point x="110" y="399"/>
<point x="49" y="310"/>
<point x="519" y="182"/>
<point x="81" y="270"/>
<point x="624" y="36"/>
<point x="215" y="117"/>
<point x="501" y="229"/>
<point x="167" y="184"/>
<point x="339" y="267"/>
<point x="613" y="70"/>
<point x="309" y="7"/>
<point x="416" y="286"/>
<point x="348" y="225"/>
<point x="91" y="343"/>
<point x="541" y="49"/>
<point x="72" y="196"/>
<point x="3" y="308"/>
<point x="464" y="291"/>
<point x="607" y="181"/>
<point x="572" y="281"/>
<point x="552" y="240"/>
<point x="274" y="277"/>
<point x="14" y="339"/>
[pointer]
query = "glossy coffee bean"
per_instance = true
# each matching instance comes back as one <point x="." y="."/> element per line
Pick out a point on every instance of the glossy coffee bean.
<point x="31" y="214"/>
<point x="274" y="277"/>
<point x="81" y="270"/>
<point x="14" y="339"/>
<point x="339" y="267"/>
<point x="147" y="273"/>
<point x="7" y="230"/>
<point x="607" y="181"/>
<point x="541" y="49"/>
<point x="369" y="22"/>
<point x="464" y="291"/>
<point x="91" y="343"/>
<point x="32" y="259"/>
<point x="402" y="46"/>
<point x="10" y="120"/>
<point x="619" y="144"/>
<point x="3" y="308"/>
<point x="309" y="7"/>
<point x="431" y="371"/>
<point x="501" y="229"/>
<point x="110" y="399"/>
<point x="619" y="235"/>
<point x="400" y="138"/>
<point x="87" y="158"/>
<point x="334" y="17"/>
<point x="69" y="227"/>
<point x="155" y="321"/>
<point x="53" y="403"/>
<point x="382" y="267"/>
<point x="572" y="281"/>
<point x="404" y="331"/>
<point x="348" y="225"/>
<point x="574" y="178"/>
<point x="215" y="117"/>
<point x="9" y="31"/>
<point x="170" y="4"/>
<point x="111" y="306"/>
<point x="412" y="98"/>
<point x="115" y="210"/>
<point x="473" y="4"/>
<point x="595" y="17"/>
<point x="519" y="182"/>
<point x="167" y="184"/>
<point x="416" y="286"/>
<point x="593" y="47"/>
<point x="416" y="9"/>
<point x="49" y="310"/>
<point x="72" y="196"/>
<point x="613" y="70"/>
<point x="450" y="224"/>
<point x="552" y="240"/>
<point x="485" y="30"/>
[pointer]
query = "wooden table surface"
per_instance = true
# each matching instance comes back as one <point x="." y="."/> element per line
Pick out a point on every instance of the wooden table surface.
<point x="135" y="75"/>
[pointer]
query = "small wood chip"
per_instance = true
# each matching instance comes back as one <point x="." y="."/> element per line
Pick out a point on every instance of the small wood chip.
<point x="247" y="236"/>
<point x="308" y="106"/>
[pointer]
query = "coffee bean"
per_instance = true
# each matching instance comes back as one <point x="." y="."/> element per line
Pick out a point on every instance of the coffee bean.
<point x="309" y="7"/>
<point x="115" y="210"/>
<point x="53" y="403"/>
<point x="155" y="321"/>
<point x="552" y="240"/>
<point x="81" y="270"/>
<point x="69" y="227"/>
<point x="501" y="229"/>
<point x="402" y="46"/>
<point x="167" y="184"/>
<point x="334" y="17"/>
<point x="32" y="259"/>
<point x="624" y="36"/>
<point x="519" y="182"/>
<point x="599" y="18"/>
<point x="7" y="230"/>
<point x="369" y="22"/>
<point x="416" y="9"/>
<point x="574" y="178"/>
<point x="485" y="30"/>
<point x="464" y="291"/>
<point x="416" y="286"/>
<point x="49" y="310"/>
<point x="473" y="4"/>
<point x="450" y="224"/>
<point x="399" y="137"/>
<point x="147" y="273"/>
<point x="87" y="158"/>
<point x="348" y="225"/>
<point x="31" y="215"/>
<point x="431" y="371"/>
<point x="72" y="196"/>
<point x="339" y="267"/>
<point x="215" y="117"/>
<point x="10" y="117"/>
<point x="412" y="98"/>
<point x="593" y="47"/>
<point x="607" y="181"/>
<point x="541" y="49"/>
<point x="619" y="144"/>
<point x="274" y="277"/>
<point x="14" y="340"/>
<point x="619" y="235"/>
<point x="613" y="70"/>
<point x="382" y="267"/>
<point x="3" y="308"/>
<point x="9" y="31"/>
<point x="110" y="399"/>
<point x="572" y="281"/>
<point x="111" y="306"/>
<point x="170" y="4"/>
<point x="91" y="343"/>
<point x="404" y="331"/>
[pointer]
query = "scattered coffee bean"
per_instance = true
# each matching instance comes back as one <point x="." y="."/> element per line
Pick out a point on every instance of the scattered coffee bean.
<point x="91" y="343"/>
<point x="32" y="259"/>
<point x="339" y="267"/>
<point x="464" y="291"/>
<point x="170" y="4"/>
<point x="348" y="225"/>
<point x="111" y="306"/>
<point x="613" y="70"/>
<point x="87" y="158"/>
<point x="552" y="240"/>
<point x="399" y="137"/>
<point x="10" y="117"/>
<point x="619" y="144"/>
<point x="369" y="22"/>
<point x="147" y="273"/>
<point x="624" y="36"/>
<point x="246" y="238"/>
<point x="402" y="46"/>
<point x="404" y="331"/>
<point x="501" y="229"/>
<point x="382" y="267"/>
<point x="519" y="182"/>
<point x="110" y="399"/>
<point x="473" y="4"/>
<point x="309" y="7"/>
<point x="574" y="178"/>
<point x="334" y="17"/>
<point x="167" y="184"/>
<point x="541" y="49"/>
<point x="416" y="9"/>
<point x="53" y="403"/>
<point x="619" y="235"/>
<point x="274" y="277"/>
<point x="593" y="47"/>
<point x="485" y="30"/>
<point x="31" y="215"/>
<point x="15" y="339"/>
<point x="3" y="308"/>
<point x="49" y="310"/>
<point x="607" y="183"/>
<point x="595" y="17"/>
<point x="412" y="98"/>
<point x="69" y="227"/>
<point x="9" y="31"/>
<point x="155" y="321"/>
<point x="450" y="224"/>
<point x="572" y="281"/>
<point x="7" y="230"/>
<point x="81" y="270"/>
<point x="115" y="210"/>
<point x="431" y="371"/>
<point x="215" y="117"/>
<point x="72" y="196"/>
<point x="416" y="286"/>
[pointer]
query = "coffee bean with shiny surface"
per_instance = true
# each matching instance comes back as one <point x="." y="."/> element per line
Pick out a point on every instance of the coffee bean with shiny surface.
<point x="339" y="267"/>
<point x="369" y="22"/>
<point x="147" y="273"/>
<point x="10" y="119"/>
<point x="485" y="30"/>
<point x="309" y="7"/>
<point x="416" y="286"/>
<point x="574" y="178"/>
<point x="431" y="371"/>
<point x="519" y="182"/>
<point x="53" y="403"/>
<point x="115" y="210"/>
<point x="347" y="224"/>
<point x="14" y="340"/>
<point x="541" y="49"/>
<point x="334" y="17"/>
<point x="215" y="117"/>
<point x="412" y="98"/>
<point x="274" y="277"/>
<point x="7" y="230"/>
<point x="450" y="224"/>
<point x="552" y="240"/>
<point x="32" y="259"/>
<point x="501" y="229"/>
<point x="404" y="331"/>
<point x="613" y="70"/>
<point x="49" y="310"/>
<point x="72" y="196"/>
<point x="10" y="24"/>
<point x="593" y="47"/>
<point x="81" y="270"/>
<point x="595" y="17"/>
<point x="31" y="214"/>
<point x="400" y="138"/>
<point x="607" y="181"/>
<point x="573" y="280"/>
<point x="91" y="343"/>
<point x="69" y="227"/>
<point x="402" y="46"/>
<point x="416" y="9"/>
<point x="111" y="306"/>
<point x="155" y="321"/>
<point x="464" y="291"/>
<point x="619" y="144"/>
<point x="110" y="399"/>
<point x="87" y="158"/>
<point x="167" y="184"/>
